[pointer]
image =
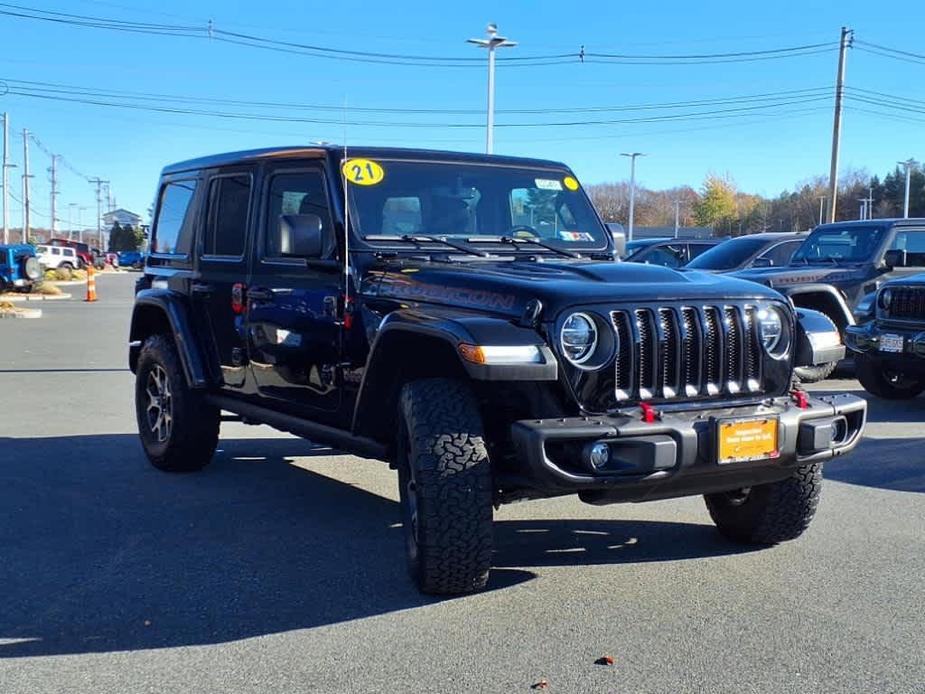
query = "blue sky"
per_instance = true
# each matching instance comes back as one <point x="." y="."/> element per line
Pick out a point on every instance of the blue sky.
<point x="764" y="151"/>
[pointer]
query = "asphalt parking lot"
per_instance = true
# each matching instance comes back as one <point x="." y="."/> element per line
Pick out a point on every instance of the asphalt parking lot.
<point x="279" y="567"/>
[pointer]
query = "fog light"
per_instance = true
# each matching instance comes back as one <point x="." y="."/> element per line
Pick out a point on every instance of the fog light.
<point x="598" y="455"/>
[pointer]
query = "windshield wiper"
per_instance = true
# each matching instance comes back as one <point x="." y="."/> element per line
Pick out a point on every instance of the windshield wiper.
<point x="417" y="238"/>
<point x="536" y="242"/>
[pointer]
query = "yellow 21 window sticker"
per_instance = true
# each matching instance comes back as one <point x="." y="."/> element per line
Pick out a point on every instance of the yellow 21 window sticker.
<point x="363" y="172"/>
<point x="570" y="183"/>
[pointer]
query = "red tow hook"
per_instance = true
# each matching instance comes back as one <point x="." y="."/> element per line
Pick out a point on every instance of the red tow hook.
<point x="800" y="398"/>
<point x="649" y="413"/>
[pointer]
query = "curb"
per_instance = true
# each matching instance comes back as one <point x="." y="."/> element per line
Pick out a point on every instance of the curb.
<point x="21" y="313"/>
<point x="34" y="297"/>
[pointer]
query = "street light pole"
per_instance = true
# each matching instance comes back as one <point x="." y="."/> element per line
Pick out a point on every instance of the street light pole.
<point x="909" y="163"/>
<point x="491" y="43"/>
<point x="632" y="156"/>
<point x="677" y="217"/>
<point x="821" y="207"/>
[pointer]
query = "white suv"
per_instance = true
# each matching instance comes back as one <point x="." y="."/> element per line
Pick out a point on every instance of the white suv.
<point x="54" y="257"/>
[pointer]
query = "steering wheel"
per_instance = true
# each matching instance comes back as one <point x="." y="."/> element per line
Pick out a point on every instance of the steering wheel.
<point x="523" y="231"/>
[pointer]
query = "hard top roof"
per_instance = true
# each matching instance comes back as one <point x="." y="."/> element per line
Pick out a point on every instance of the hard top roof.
<point x="337" y="151"/>
<point x="882" y="223"/>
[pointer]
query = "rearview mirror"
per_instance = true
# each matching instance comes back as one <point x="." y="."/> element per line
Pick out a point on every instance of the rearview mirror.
<point x="300" y="235"/>
<point x="895" y="258"/>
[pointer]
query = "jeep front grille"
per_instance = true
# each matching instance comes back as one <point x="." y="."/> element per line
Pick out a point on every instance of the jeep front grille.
<point x="907" y="303"/>
<point x="686" y="352"/>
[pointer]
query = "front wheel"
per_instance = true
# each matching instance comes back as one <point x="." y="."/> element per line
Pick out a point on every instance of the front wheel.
<point x="445" y="485"/>
<point x="177" y="427"/>
<point x="886" y="383"/>
<point x="768" y="513"/>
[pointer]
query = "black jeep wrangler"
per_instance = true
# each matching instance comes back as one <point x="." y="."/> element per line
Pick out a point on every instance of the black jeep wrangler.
<point x="890" y="348"/>
<point x="839" y="268"/>
<point x="463" y="317"/>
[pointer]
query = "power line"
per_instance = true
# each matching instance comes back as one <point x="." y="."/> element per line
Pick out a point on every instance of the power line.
<point x="214" y="33"/>
<point x="52" y="87"/>
<point x="37" y="94"/>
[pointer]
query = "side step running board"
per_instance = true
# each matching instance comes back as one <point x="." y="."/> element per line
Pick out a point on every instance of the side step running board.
<point x="318" y="433"/>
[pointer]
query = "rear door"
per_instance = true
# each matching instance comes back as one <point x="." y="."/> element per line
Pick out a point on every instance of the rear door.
<point x="222" y="266"/>
<point x="293" y="330"/>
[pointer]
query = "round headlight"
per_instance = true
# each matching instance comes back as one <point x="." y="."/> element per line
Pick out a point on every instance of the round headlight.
<point x="770" y="328"/>
<point x="578" y="337"/>
<point x="886" y="297"/>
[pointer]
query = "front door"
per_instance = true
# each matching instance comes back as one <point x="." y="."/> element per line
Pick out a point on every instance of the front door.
<point x="222" y="264"/>
<point x="293" y="330"/>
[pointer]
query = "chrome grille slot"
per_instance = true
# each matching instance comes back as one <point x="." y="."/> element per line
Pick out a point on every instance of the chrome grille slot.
<point x="752" y="350"/>
<point x="713" y="350"/>
<point x="672" y="352"/>
<point x="646" y="347"/>
<point x="734" y="344"/>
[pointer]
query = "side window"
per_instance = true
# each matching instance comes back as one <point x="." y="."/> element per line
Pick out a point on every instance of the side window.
<point x="297" y="193"/>
<point x="226" y="228"/>
<point x="669" y="256"/>
<point x="781" y="253"/>
<point x="911" y="241"/>
<point x="696" y="249"/>
<point x="173" y="228"/>
<point x="55" y="250"/>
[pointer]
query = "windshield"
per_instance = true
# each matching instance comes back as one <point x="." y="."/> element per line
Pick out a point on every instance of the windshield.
<point x="848" y="244"/>
<point x="466" y="201"/>
<point x="728" y="255"/>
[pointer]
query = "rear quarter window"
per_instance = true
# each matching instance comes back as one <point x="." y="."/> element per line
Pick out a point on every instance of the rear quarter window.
<point x="173" y="227"/>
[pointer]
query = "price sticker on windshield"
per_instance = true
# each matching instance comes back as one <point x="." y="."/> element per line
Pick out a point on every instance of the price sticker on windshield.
<point x="363" y="172"/>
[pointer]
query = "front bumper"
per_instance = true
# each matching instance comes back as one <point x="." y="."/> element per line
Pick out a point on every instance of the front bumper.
<point x="676" y="455"/>
<point x="867" y="339"/>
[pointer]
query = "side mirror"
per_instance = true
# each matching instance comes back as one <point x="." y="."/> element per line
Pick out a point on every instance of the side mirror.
<point x="895" y="258"/>
<point x="762" y="262"/>
<point x="818" y="340"/>
<point x="300" y="235"/>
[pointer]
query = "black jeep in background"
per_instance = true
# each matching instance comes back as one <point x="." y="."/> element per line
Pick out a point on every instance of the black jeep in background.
<point x="463" y="318"/>
<point x="890" y="349"/>
<point x="839" y="268"/>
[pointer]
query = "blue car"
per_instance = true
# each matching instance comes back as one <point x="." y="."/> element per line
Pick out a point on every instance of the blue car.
<point x="133" y="259"/>
<point x="19" y="268"/>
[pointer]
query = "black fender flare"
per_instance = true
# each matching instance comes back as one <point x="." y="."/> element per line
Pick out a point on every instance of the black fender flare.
<point x="844" y="320"/>
<point x="171" y="308"/>
<point x="446" y="331"/>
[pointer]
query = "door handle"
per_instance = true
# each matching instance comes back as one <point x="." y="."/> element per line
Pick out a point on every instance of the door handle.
<point x="260" y="294"/>
<point x="202" y="288"/>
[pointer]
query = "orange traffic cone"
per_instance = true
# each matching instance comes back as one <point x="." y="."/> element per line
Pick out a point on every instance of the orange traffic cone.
<point x="91" y="284"/>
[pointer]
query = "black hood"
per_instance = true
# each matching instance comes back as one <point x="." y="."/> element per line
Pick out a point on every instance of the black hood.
<point x="507" y="286"/>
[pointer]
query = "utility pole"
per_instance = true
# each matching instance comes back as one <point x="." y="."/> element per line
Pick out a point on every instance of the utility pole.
<point x="821" y="207"/>
<point x="54" y="193"/>
<point x="909" y="163"/>
<point x="870" y="202"/>
<point x="70" y="220"/>
<point x="6" y="178"/>
<point x="80" y="224"/>
<point x="99" y="210"/>
<point x="25" y="186"/>
<point x="632" y="156"/>
<point x="491" y="43"/>
<point x="846" y="38"/>
<point x="677" y="217"/>
<point x="863" y="212"/>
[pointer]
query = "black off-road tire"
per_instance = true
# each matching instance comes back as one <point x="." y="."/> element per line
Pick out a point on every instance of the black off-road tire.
<point x="445" y="485"/>
<point x="814" y="374"/>
<point x="193" y="431"/>
<point x="886" y="384"/>
<point x="769" y="513"/>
